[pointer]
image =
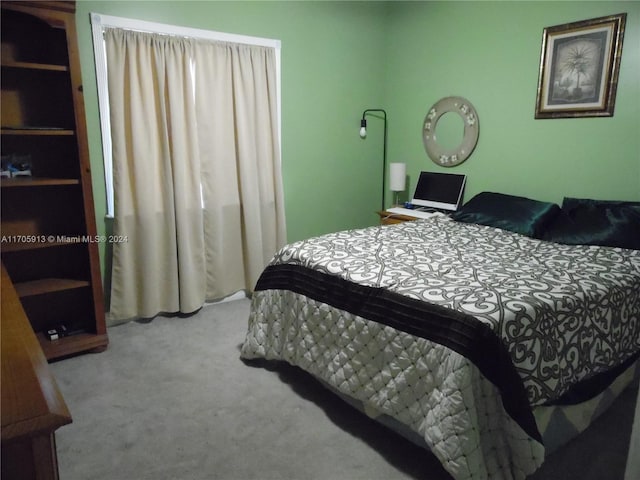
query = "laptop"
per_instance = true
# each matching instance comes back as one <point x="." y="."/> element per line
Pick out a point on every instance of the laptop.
<point x="435" y="192"/>
<point x="439" y="191"/>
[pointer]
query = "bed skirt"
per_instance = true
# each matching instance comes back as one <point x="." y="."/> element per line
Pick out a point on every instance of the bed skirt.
<point x="558" y="424"/>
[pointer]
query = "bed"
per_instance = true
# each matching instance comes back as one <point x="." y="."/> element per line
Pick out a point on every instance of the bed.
<point x="470" y="333"/>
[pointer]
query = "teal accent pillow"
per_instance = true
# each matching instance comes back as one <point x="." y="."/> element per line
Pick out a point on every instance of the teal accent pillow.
<point x="508" y="212"/>
<point x="597" y="222"/>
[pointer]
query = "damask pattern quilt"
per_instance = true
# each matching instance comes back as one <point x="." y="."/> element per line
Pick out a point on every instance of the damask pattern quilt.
<point x="456" y="330"/>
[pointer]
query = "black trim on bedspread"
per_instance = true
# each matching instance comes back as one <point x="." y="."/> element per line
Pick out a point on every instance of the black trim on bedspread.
<point x="455" y="330"/>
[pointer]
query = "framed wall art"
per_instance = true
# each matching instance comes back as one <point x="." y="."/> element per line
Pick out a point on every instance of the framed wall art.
<point x="579" y="65"/>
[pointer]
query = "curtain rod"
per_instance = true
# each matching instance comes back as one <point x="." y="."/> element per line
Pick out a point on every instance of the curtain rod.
<point x="166" y="29"/>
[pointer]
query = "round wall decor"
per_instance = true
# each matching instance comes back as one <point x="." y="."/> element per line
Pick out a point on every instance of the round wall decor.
<point x="455" y="156"/>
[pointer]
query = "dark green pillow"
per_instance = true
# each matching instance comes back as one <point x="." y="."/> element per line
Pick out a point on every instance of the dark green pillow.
<point x="597" y="222"/>
<point x="508" y="212"/>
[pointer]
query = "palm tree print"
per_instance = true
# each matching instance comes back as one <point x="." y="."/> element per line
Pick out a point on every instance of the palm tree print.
<point x="579" y="62"/>
<point x="575" y="72"/>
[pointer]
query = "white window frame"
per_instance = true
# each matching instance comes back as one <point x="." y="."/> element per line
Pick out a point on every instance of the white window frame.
<point x="99" y="22"/>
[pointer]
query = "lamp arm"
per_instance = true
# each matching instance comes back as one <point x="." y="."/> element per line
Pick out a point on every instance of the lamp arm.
<point x="374" y="110"/>
<point x="384" y="147"/>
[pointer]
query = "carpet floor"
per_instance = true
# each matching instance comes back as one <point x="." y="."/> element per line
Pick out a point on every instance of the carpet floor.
<point x="171" y="399"/>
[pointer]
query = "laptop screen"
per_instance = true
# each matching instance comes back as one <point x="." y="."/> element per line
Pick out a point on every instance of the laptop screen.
<point x="439" y="190"/>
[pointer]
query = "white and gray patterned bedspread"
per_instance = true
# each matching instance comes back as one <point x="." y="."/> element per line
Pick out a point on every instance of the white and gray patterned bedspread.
<point x="454" y="329"/>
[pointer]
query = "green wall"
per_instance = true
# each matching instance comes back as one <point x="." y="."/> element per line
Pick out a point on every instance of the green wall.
<point x="489" y="53"/>
<point x="339" y="58"/>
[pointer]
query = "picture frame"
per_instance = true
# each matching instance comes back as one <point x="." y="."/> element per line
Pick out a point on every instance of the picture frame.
<point x="579" y="66"/>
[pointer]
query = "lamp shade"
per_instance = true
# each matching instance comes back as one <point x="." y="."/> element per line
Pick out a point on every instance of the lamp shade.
<point x="398" y="174"/>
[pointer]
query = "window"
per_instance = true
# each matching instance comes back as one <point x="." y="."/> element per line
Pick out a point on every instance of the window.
<point x="99" y="22"/>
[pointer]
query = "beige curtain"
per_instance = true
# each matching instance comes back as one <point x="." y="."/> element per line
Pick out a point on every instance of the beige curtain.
<point x="239" y="151"/>
<point x="175" y="149"/>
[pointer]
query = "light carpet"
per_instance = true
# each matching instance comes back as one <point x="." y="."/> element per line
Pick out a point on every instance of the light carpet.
<point x="171" y="399"/>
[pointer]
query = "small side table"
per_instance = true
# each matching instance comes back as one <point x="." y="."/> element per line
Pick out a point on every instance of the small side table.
<point x="388" y="218"/>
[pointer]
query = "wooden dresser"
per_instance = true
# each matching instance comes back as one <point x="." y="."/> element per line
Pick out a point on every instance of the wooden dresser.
<point x="32" y="407"/>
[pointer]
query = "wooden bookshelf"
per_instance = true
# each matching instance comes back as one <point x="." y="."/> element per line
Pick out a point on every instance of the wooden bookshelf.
<point x="42" y="124"/>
